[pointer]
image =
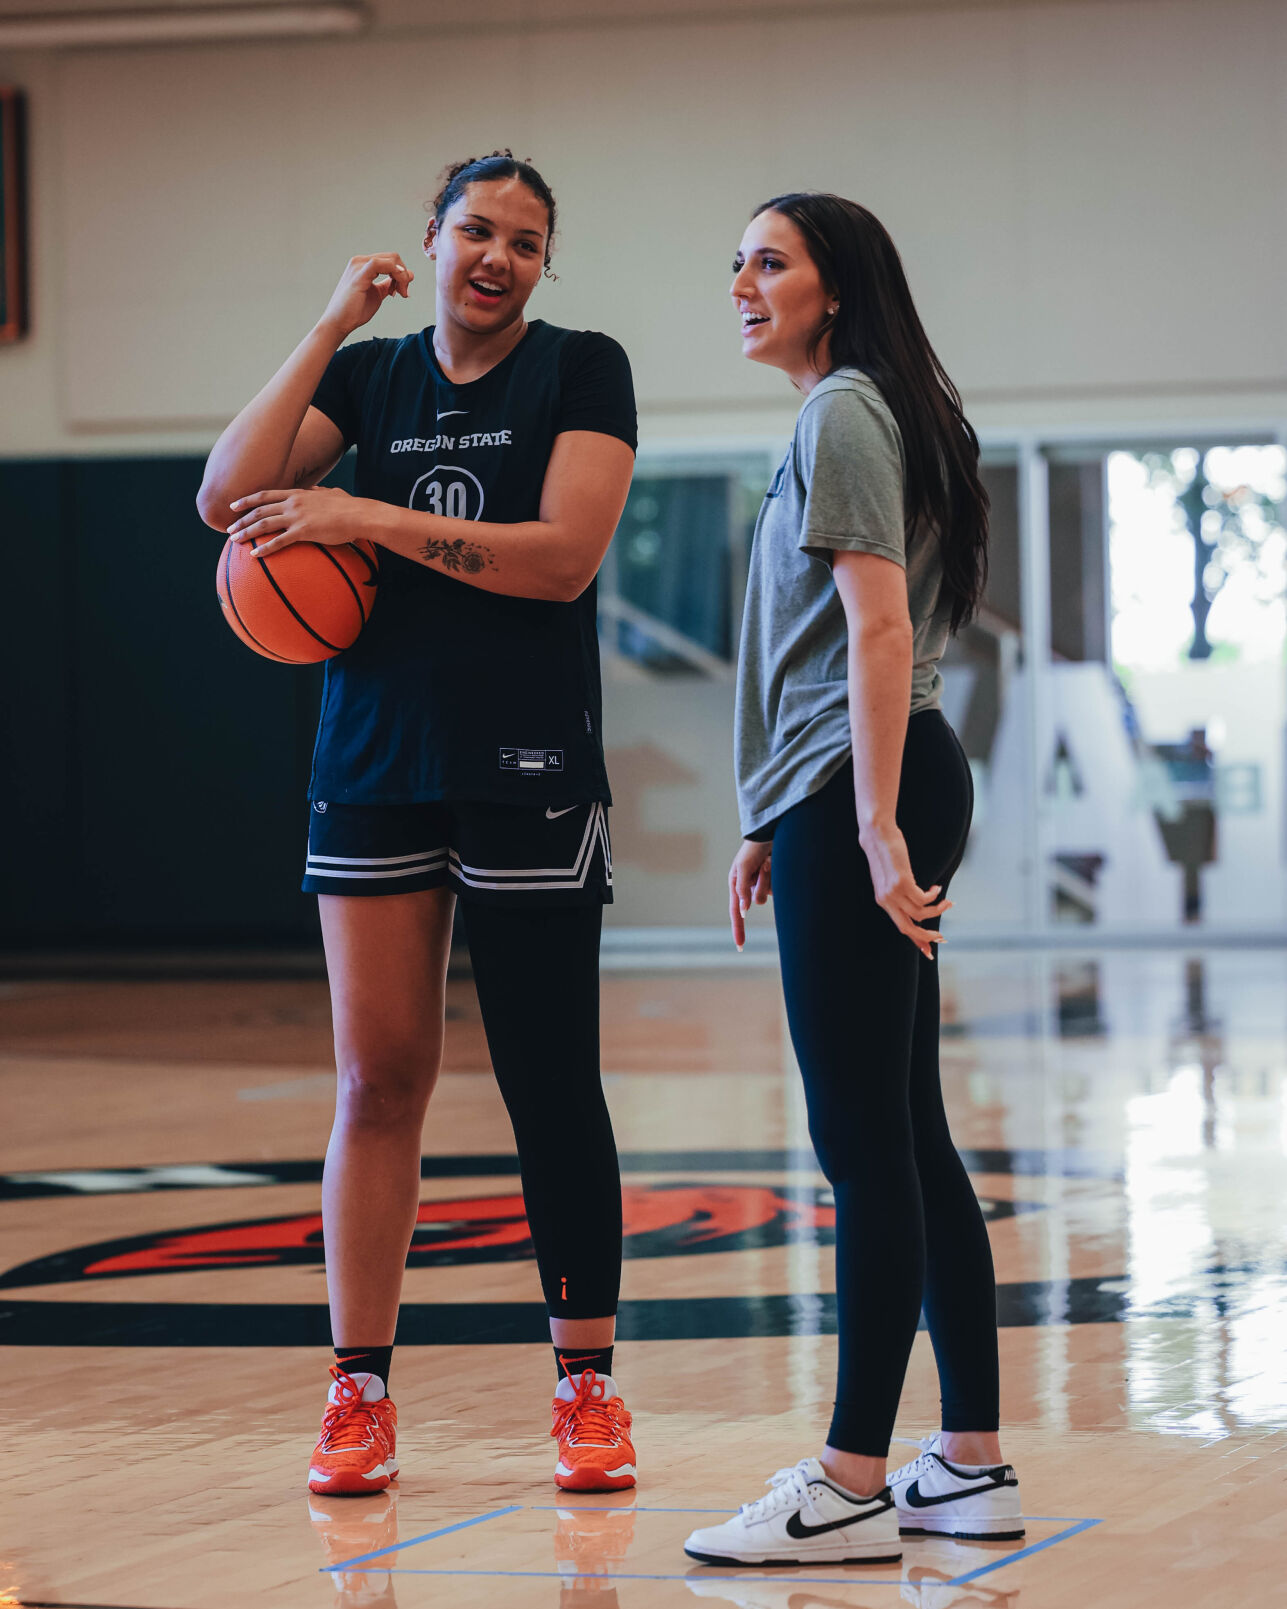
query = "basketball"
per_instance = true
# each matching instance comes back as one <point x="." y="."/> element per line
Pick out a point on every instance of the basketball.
<point x="304" y="604"/>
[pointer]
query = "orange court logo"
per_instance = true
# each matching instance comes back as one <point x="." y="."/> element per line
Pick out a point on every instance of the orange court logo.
<point x="692" y="1212"/>
<point x="658" y="1221"/>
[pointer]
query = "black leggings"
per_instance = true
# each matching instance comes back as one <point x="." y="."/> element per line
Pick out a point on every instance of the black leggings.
<point x="863" y="1008"/>
<point x="537" y="975"/>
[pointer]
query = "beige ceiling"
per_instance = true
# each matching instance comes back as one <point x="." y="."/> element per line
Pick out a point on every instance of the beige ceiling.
<point x="482" y="14"/>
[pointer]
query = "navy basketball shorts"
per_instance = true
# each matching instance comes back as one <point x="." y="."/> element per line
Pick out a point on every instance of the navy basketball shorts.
<point x="518" y="855"/>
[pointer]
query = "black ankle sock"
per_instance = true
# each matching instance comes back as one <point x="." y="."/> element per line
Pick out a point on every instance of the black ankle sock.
<point x="574" y="1359"/>
<point x="365" y="1360"/>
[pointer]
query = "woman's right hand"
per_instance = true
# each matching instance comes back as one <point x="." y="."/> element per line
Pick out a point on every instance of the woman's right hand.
<point x="897" y="892"/>
<point x="363" y="286"/>
<point x="750" y="878"/>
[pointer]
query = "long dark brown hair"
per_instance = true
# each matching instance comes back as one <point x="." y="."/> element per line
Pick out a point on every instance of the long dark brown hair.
<point x="876" y="329"/>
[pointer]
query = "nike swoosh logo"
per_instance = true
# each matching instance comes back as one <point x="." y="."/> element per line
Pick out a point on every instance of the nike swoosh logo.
<point x="797" y="1530"/>
<point x="913" y="1499"/>
<point x="553" y="815"/>
<point x="452" y="412"/>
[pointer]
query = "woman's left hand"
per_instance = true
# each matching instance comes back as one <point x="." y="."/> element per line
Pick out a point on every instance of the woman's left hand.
<point x="750" y="877"/>
<point x="273" y="520"/>
<point x="897" y="892"/>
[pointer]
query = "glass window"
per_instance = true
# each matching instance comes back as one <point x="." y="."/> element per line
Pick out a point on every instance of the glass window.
<point x="1131" y="780"/>
<point x="670" y="610"/>
<point x="1198" y="563"/>
<point x="672" y="584"/>
<point x="1160" y="784"/>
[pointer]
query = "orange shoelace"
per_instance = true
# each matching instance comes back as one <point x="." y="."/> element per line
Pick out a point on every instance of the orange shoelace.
<point x="589" y="1420"/>
<point x="348" y="1421"/>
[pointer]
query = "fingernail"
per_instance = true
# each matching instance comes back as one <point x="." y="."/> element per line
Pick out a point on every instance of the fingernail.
<point x="236" y="503"/>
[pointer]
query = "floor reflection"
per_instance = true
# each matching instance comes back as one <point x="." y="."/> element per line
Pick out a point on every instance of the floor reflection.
<point x="590" y="1545"/>
<point x="929" y="1588"/>
<point x="929" y="1577"/>
<point x="1170" y="1066"/>
<point x="1078" y="1004"/>
<point x="350" y="1529"/>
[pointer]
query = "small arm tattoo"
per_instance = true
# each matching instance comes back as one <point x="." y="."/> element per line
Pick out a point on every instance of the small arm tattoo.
<point x="458" y="557"/>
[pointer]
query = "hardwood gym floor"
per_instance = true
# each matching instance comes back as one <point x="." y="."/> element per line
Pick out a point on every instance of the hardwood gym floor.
<point x="1124" y="1116"/>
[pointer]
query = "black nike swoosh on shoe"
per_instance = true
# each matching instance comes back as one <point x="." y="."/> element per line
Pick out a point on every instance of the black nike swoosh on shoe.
<point x="913" y="1499"/>
<point x="797" y="1530"/>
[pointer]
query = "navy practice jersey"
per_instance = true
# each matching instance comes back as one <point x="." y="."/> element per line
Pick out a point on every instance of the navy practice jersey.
<point x="451" y="692"/>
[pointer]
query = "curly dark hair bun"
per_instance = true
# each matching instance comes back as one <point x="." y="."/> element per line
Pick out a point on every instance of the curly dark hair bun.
<point x="501" y="164"/>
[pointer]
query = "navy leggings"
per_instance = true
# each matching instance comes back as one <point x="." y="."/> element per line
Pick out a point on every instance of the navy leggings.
<point x="537" y="976"/>
<point x="863" y="1009"/>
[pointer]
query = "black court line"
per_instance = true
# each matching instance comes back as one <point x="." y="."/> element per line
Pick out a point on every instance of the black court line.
<point x="51" y="1603"/>
<point x="1097" y="1300"/>
<point x="1023" y="1162"/>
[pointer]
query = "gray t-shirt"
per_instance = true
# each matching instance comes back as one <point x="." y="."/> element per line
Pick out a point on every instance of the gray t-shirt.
<point x="840" y="486"/>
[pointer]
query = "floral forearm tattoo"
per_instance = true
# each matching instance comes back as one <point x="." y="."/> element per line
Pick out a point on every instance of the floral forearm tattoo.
<point x="458" y="557"/>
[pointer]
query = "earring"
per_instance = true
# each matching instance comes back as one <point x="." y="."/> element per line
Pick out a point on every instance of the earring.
<point x="832" y="311"/>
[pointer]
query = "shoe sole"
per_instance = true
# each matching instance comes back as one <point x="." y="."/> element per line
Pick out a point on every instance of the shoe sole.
<point x="978" y="1530"/>
<point x="835" y="1556"/>
<point x="594" y="1480"/>
<point x="351" y="1483"/>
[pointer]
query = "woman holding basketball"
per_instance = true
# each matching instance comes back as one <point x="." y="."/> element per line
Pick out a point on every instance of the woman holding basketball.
<point x="459" y="754"/>
<point x="855" y="799"/>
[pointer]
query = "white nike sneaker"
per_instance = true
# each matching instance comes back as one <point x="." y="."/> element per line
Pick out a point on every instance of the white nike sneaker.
<point x="805" y="1519"/>
<point x="978" y="1502"/>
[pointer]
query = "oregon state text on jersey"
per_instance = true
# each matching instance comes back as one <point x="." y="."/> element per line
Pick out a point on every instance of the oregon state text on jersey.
<point x="446" y="678"/>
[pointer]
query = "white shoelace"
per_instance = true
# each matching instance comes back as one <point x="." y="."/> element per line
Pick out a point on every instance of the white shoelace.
<point x="790" y="1489"/>
<point x="918" y="1466"/>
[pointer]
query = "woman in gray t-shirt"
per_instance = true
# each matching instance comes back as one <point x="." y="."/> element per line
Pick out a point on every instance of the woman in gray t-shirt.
<point x="855" y="802"/>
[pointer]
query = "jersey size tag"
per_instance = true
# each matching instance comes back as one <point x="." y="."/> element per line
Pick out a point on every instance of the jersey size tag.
<point x="532" y="761"/>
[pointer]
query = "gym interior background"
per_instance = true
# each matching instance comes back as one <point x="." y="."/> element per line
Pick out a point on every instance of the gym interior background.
<point x="1088" y="199"/>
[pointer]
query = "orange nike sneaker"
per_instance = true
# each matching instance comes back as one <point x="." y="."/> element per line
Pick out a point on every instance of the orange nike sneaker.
<point x="355" y="1452"/>
<point x="592" y="1425"/>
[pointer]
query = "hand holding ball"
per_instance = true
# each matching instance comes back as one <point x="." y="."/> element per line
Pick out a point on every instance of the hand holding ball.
<point x="306" y="603"/>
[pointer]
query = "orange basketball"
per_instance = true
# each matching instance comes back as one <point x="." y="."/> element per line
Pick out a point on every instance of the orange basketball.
<point x="303" y="604"/>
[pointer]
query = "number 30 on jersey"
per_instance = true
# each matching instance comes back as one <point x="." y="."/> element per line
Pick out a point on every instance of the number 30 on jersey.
<point x="445" y="489"/>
